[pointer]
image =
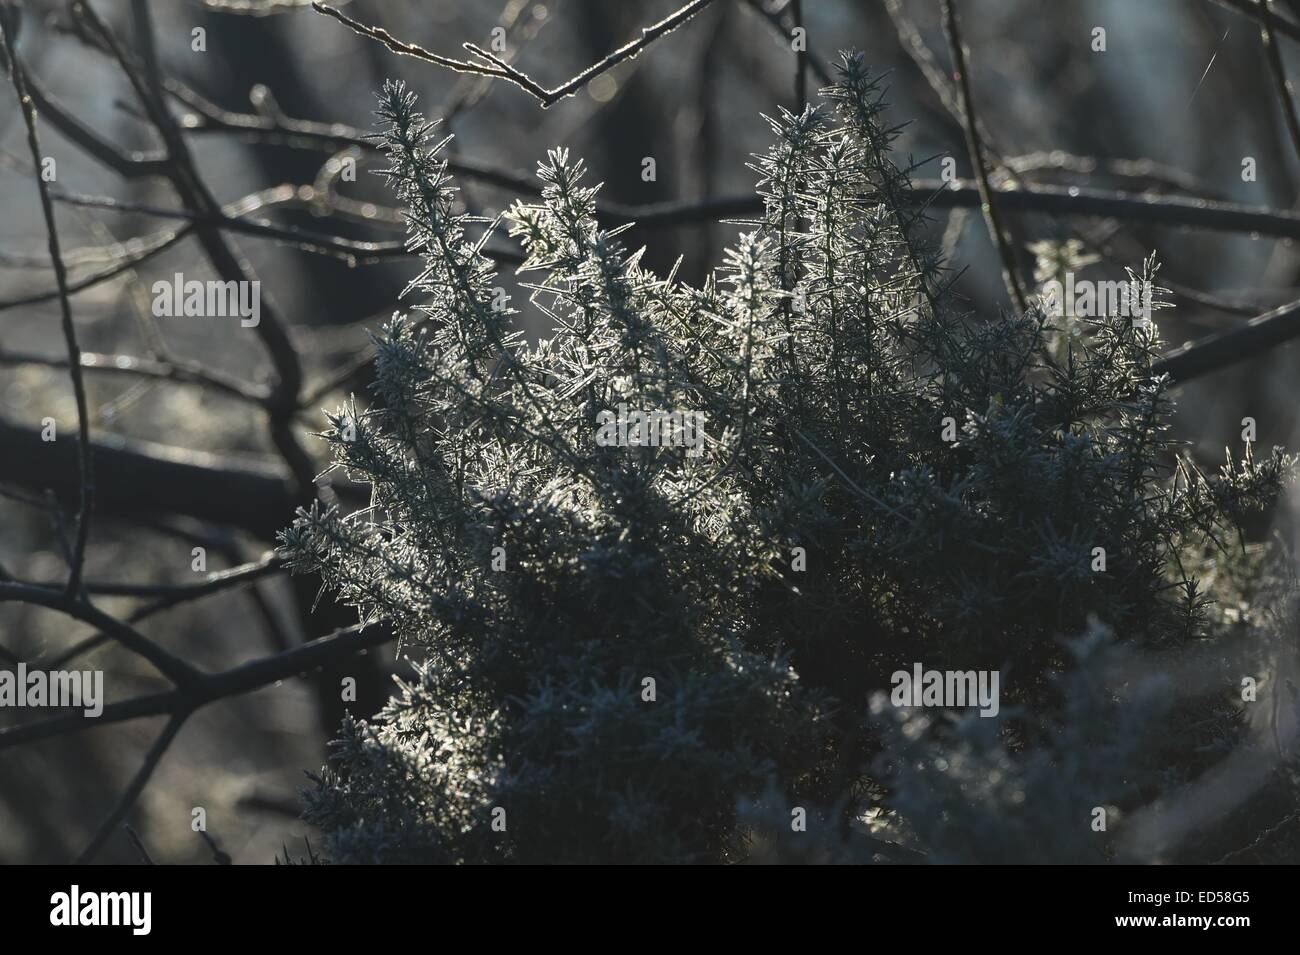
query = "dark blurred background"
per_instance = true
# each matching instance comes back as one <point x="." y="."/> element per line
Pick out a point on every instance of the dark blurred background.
<point x="1180" y="96"/>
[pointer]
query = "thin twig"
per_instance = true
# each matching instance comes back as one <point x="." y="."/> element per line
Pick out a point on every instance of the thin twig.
<point x="495" y="67"/>
<point x="207" y="117"/>
<point x="133" y="790"/>
<point x="1157" y="209"/>
<point x="470" y="90"/>
<point x="219" y="856"/>
<point x="169" y="597"/>
<point x="992" y="216"/>
<point x="1151" y="208"/>
<point x="418" y="52"/>
<point x="184" y="176"/>
<point x="258" y="8"/>
<point x="85" y="466"/>
<point x="211" y="687"/>
<point x="1285" y="93"/>
<point x="172" y="594"/>
<point x="1262" y="16"/>
<point x="134" y="165"/>
<point x="302" y="239"/>
<point x="849" y="482"/>
<point x="139" y="845"/>
<point x="232" y="218"/>
<point x="173" y="370"/>
<point x="800" y="58"/>
<point x="169" y="665"/>
<point x="914" y="45"/>
<point x="1234" y="345"/>
<point x="777" y="23"/>
<point x="153" y="245"/>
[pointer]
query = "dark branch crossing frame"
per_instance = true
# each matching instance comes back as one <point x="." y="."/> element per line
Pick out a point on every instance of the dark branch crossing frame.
<point x="132" y="478"/>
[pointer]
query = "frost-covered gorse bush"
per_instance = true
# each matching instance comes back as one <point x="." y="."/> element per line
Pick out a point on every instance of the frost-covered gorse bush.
<point x="657" y="653"/>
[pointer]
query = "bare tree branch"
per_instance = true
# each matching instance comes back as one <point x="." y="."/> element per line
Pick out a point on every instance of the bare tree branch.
<point x="800" y="58"/>
<point x="152" y="245"/>
<point x="1284" y="91"/>
<point x="211" y="687"/>
<point x="170" y="597"/>
<point x="1136" y="207"/>
<point x="80" y="608"/>
<point x="138" y="477"/>
<point x="207" y="117"/>
<point x="778" y="23"/>
<point x="134" y="165"/>
<point x="133" y="789"/>
<point x="231" y="218"/>
<point x="195" y="196"/>
<point x="258" y="8"/>
<point x="1261" y="15"/>
<point x="1226" y="348"/>
<point x="498" y="68"/>
<point x="992" y="216"/>
<point x="139" y="845"/>
<point x="85" y="465"/>
<point x="173" y="370"/>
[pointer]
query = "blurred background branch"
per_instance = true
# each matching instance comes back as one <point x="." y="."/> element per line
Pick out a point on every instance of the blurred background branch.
<point x="198" y="429"/>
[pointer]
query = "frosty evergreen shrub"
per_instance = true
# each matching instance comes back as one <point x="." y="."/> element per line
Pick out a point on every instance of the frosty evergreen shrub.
<point x="665" y="647"/>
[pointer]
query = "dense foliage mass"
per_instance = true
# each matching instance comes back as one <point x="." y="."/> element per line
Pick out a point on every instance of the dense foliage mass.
<point x="651" y="652"/>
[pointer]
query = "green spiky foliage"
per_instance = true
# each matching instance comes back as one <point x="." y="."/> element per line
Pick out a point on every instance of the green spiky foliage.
<point x="640" y="653"/>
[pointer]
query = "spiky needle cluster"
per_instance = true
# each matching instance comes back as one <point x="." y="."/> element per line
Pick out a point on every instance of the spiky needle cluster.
<point x="627" y="648"/>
